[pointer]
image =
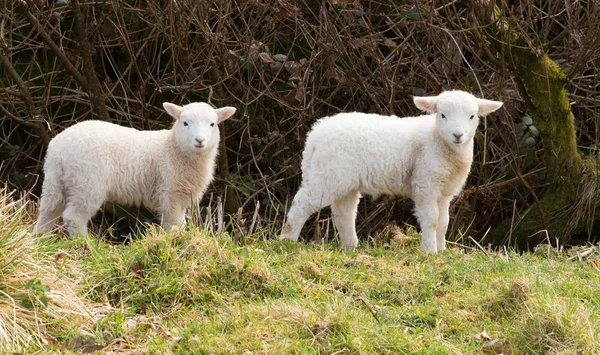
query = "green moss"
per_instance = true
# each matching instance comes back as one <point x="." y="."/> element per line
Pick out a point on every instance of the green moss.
<point x="544" y="85"/>
<point x="551" y="111"/>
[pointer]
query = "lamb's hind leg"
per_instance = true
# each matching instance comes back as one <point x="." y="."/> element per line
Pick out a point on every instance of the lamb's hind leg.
<point x="344" y="214"/>
<point x="50" y="210"/>
<point x="52" y="202"/>
<point x="80" y="209"/>
<point x="173" y="217"/>
<point x="306" y="202"/>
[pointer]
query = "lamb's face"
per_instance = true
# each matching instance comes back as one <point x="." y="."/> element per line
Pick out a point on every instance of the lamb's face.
<point x="457" y="114"/>
<point x="457" y="118"/>
<point x="196" y="127"/>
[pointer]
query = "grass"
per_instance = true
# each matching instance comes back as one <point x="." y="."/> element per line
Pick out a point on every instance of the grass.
<point x="37" y="298"/>
<point x="191" y="291"/>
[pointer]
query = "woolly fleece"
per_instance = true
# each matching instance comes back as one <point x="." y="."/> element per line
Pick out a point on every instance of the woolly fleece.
<point x="426" y="158"/>
<point x="94" y="161"/>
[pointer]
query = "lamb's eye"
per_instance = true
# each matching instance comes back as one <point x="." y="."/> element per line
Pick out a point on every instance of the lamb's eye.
<point x="472" y="116"/>
<point x="443" y="116"/>
<point x="185" y="123"/>
<point x="212" y="124"/>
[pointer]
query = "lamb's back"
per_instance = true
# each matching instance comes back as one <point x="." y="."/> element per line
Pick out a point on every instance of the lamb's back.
<point x="373" y="153"/>
<point x="123" y="161"/>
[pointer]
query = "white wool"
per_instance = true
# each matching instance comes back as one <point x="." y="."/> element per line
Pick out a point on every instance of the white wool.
<point x="426" y="158"/>
<point x="94" y="161"/>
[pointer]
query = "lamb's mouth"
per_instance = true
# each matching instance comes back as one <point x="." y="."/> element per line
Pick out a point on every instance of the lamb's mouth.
<point x="199" y="145"/>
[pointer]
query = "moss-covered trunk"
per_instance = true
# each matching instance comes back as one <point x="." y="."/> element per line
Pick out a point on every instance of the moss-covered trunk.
<point x="544" y="83"/>
<point x="543" y="87"/>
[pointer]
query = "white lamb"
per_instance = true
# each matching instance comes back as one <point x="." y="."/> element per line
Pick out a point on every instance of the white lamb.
<point x="93" y="161"/>
<point x="426" y="158"/>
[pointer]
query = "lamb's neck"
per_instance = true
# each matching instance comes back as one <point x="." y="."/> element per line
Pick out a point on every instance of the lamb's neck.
<point x="192" y="159"/>
<point x="458" y="152"/>
<point x="464" y="151"/>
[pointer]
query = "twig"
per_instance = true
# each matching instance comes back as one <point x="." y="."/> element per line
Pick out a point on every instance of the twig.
<point x="370" y="308"/>
<point x="50" y="43"/>
<point x="25" y="96"/>
<point x="93" y="86"/>
<point x="583" y="254"/>
<point x="479" y="246"/>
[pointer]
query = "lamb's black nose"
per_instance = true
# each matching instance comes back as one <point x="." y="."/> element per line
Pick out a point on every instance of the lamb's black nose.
<point x="200" y="140"/>
<point x="457" y="135"/>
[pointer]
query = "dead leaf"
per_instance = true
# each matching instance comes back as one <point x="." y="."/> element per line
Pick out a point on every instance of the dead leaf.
<point x="389" y="42"/>
<point x="130" y="324"/>
<point x="253" y="51"/>
<point x="47" y="339"/>
<point x="293" y="67"/>
<point x="59" y="256"/>
<point x="331" y="73"/>
<point x="286" y="11"/>
<point x="275" y="67"/>
<point x="481" y="336"/>
<point x="300" y="92"/>
<point x="493" y="347"/>
<point x="265" y="57"/>
<point x="84" y="344"/>
<point x="137" y="269"/>
<point x="280" y="57"/>
<point x="172" y="337"/>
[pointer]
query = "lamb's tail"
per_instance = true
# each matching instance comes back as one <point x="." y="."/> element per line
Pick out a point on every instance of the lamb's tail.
<point x="53" y="198"/>
<point x="307" y="155"/>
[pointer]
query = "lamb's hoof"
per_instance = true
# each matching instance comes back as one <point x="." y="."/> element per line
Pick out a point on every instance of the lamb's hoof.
<point x="286" y="237"/>
<point x="428" y="249"/>
<point x="350" y="246"/>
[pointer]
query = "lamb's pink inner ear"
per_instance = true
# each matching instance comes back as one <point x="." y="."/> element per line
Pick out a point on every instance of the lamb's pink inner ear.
<point x="225" y="112"/>
<point x="426" y="103"/>
<point x="488" y="106"/>
<point x="172" y="109"/>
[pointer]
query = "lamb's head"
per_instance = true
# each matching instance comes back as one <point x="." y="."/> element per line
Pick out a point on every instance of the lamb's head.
<point x="457" y="114"/>
<point x="196" y="126"/>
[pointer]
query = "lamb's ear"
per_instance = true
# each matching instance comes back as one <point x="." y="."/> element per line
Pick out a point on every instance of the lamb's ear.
<point x="426" y="103"/>
<point x="173" y="110"/>
<point x="225" y="112"/>
<point x="488" y="106"/>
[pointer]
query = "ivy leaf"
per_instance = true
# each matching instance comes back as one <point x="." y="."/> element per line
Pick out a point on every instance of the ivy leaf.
<point x="534" y="131"/>
<point x="412" y="14"/>
<point x="530" y="141"/>
<point x="520" y="127"/>
<point x="60" y="3"/>
<point x="527" y="120"/>
<point x="418" y="92"/>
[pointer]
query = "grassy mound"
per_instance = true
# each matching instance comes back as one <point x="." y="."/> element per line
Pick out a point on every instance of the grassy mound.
<point x="37" y="299"/>
<point x="193" y="291"/>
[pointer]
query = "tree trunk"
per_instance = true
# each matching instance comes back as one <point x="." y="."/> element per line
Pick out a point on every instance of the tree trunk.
<point x="543" y="87"/>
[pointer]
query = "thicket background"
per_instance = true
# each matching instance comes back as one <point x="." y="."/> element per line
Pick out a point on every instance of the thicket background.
<point x="284" y="64"/>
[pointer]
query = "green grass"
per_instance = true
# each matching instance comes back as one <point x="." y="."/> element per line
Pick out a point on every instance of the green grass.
<point x="192" y="292"/>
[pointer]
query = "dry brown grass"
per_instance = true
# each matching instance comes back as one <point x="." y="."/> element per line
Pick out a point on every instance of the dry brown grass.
<point x="36" y="297"/>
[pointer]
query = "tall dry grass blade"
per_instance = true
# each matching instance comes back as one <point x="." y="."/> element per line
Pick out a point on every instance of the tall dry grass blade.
<point x="35" y="294"/>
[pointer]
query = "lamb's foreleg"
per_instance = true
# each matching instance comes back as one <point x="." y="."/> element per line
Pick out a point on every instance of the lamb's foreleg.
<point x="427" y="212"/>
